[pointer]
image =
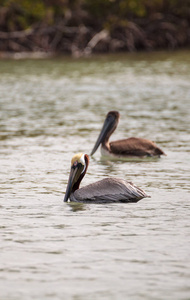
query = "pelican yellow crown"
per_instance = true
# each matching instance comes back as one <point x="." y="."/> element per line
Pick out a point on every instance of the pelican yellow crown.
<point x="79" y="157"/>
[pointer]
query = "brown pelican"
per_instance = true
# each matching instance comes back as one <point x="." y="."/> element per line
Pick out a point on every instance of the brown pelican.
<point x="104" y="191"/>
<point x="130" y="147"/>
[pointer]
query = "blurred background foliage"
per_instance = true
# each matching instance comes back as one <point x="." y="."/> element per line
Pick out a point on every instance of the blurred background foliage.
<point x="21" y="14"/>
<point x="129" y="24"/>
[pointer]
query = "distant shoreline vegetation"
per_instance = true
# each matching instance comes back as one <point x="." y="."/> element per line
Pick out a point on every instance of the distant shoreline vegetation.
<point x="83" y="27"/>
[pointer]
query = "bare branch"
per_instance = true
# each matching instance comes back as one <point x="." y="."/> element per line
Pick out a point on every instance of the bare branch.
<point x="16" y="34"/>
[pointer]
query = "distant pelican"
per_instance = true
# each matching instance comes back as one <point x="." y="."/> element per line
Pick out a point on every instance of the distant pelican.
<point x="131" y="147"/>
<point x="107" y="190"/>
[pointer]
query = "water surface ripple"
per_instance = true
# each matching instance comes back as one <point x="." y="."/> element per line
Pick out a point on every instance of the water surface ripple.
<point x="51" y="109"/>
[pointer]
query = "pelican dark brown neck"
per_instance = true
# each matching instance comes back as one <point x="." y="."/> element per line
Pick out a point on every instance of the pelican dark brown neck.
<point x="77" y="183"/>
<point x="109" y="126"/>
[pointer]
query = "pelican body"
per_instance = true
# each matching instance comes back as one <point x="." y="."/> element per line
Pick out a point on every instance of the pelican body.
<point x="131" y="147"/>
<point x="108" y="190"/>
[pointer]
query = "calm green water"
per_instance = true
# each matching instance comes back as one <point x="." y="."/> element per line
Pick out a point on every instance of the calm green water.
<point x="52" y="109"/>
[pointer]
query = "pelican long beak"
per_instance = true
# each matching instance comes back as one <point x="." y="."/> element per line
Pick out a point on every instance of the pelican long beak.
<point x="73" y="178"/>
<point x="107" y="127"/>
<point x="70" y="183"/>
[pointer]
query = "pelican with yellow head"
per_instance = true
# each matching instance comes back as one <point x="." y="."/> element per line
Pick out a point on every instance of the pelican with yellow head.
<point x="108" y="190"/>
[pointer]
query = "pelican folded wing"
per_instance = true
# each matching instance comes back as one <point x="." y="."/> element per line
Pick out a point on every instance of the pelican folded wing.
<point x="135" y="147"/>
<point x="109" y="190"/>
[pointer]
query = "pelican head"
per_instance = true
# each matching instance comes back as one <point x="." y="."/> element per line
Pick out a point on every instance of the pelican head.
<point x="110" y="124"/>
<point x="79" y="165"/>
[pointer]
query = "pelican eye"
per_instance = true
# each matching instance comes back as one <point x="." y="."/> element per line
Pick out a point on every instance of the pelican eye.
<point x="75" y="163"/>
<point x="111" y="118"/>
<point x="79" y="165"/>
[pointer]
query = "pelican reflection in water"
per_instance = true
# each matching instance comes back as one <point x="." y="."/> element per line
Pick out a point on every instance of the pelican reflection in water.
<point x="131" y="147"/>
<point x="107" y="190"/>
